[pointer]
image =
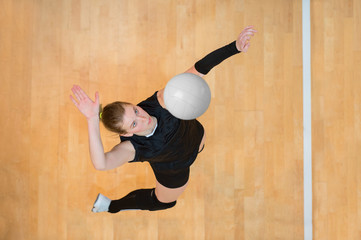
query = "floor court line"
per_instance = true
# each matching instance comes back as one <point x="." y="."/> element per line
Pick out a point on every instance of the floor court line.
<point x="307" y="130"/>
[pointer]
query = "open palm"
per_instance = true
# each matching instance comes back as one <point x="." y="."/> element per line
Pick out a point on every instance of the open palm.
<point x="85" y="105"/>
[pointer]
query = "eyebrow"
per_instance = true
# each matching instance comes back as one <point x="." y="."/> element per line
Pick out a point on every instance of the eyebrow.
<point x="134" y="120"/>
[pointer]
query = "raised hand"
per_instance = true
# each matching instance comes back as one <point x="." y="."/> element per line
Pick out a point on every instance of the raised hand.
<point x="85" y="105"/>
<point x="242" y="42"/>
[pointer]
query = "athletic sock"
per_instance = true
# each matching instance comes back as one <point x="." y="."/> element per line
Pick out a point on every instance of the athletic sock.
<point x="141" y="199"/>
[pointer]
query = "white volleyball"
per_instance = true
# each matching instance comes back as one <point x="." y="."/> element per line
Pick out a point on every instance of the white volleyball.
<point x="187" y="96"/>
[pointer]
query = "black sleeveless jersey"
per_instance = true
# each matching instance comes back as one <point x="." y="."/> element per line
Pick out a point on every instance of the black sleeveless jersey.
<point x="175" y="142"/>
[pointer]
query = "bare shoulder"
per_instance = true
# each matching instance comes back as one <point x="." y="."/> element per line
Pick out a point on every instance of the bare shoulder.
<point x="120" y="154"/>
<point x="160" y="97"/>
<point x="124" y="147"/>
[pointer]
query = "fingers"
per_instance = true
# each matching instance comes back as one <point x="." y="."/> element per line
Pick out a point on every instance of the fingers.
<point x="97" y="98"/>
<point x="245" y="48"/>
<point x="76" y="92"/>
<point x="244" y="38"/>
<point x="247" y="33"/>
<point x="82" y="93"/>
<point x="74" y="101"/>
<point x="249" y="28"/>
<point x="79" y="93"/>
<point x="81" y="96"/>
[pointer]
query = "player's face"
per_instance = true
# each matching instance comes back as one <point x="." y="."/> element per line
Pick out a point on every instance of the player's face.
<point x="137" y="121"/>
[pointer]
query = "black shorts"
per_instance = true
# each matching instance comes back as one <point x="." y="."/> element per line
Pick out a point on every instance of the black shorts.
<point x="173" y="178"/>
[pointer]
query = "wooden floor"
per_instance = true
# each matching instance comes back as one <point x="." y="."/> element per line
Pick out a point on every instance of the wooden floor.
<point x="336" y="114"/>
<point x="247" y="183"/>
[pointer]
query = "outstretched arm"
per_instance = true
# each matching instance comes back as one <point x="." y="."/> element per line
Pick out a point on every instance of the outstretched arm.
<point x="120" y="154"/>
<point x="203" y="66"/>
<point x="90" y="110"/>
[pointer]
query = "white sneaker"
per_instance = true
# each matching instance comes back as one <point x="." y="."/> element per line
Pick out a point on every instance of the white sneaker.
<point x="101" y="204"/>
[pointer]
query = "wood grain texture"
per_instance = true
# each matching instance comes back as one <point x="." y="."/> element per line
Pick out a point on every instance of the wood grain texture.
<point x="336" y="121"/>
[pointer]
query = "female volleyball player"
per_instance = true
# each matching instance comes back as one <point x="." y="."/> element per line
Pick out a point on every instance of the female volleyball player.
<point x="150" y="133"/>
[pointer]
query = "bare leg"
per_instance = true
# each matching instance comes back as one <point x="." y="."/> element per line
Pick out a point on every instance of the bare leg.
<point x="167" y="195"/>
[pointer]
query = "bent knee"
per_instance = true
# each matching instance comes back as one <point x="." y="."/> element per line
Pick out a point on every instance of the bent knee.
<point x="158" y="205"/>
<point x="168" y="195"/>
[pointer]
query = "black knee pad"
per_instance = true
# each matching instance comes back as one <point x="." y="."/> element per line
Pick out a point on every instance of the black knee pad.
<point x="157" y="205"/>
